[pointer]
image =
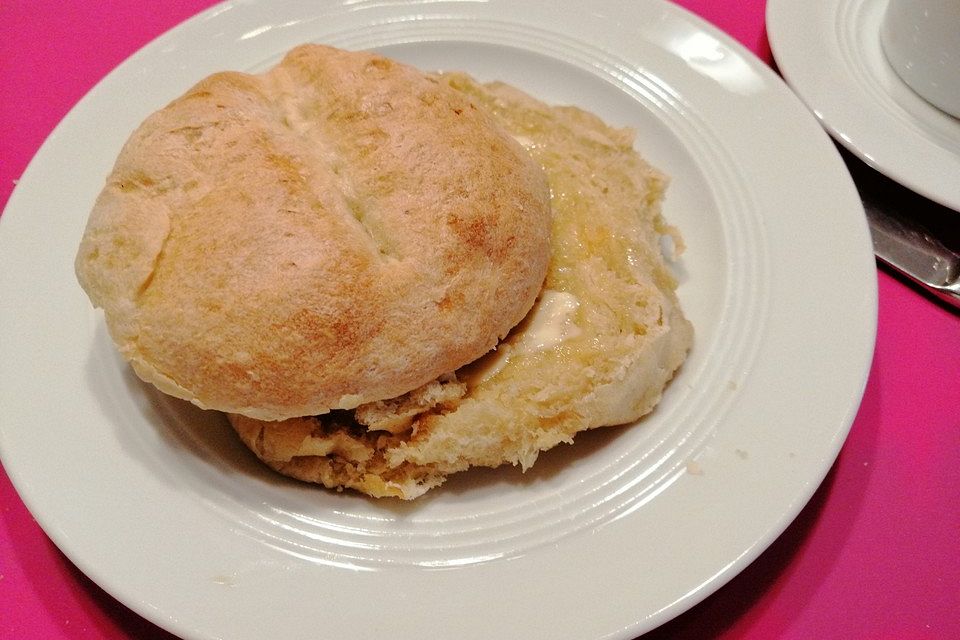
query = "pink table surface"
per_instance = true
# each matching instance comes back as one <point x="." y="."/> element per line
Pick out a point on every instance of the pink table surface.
<point x="875" y="554"/>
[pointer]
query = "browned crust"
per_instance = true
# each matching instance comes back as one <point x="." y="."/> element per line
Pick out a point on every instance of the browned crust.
<point x="338" y="230"/>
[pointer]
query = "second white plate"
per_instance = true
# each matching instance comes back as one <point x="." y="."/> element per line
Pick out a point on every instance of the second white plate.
<point x="830" y="54"/>
<point x="158" y="504"/>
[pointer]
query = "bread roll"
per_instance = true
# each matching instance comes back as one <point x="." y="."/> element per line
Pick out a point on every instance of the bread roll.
<point x="339" y="230"/>
<point x="605" y="337"/>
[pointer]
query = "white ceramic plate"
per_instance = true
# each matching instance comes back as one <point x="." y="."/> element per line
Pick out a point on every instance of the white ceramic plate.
<point x="158" y="504"/>
<point x="830" y="54"/>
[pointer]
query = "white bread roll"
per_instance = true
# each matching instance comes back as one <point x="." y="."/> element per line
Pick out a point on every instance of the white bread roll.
<point x="605" y="337"/>
<point x="339" y="230"/>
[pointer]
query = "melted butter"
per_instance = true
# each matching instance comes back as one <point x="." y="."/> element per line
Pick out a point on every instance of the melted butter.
<point x="551" y="321"/>
<point x="526" y="142"/>
<point x="486" y="367"/>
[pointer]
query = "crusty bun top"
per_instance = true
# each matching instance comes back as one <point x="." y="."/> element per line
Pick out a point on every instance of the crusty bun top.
<point x="339" y="230"/>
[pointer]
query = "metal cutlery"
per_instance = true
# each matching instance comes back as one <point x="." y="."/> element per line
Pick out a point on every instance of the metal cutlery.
<point x="911" y="234"/>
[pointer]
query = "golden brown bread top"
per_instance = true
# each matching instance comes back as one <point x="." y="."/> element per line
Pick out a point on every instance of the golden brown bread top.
<point x="339" y="230"/>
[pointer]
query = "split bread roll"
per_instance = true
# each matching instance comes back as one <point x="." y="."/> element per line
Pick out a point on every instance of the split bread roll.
<point x="337" y="231"/>
<point x="603" y="340"/>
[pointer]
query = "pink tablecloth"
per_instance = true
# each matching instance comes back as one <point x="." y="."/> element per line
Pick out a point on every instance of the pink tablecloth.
<point x="876" y="553"/>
